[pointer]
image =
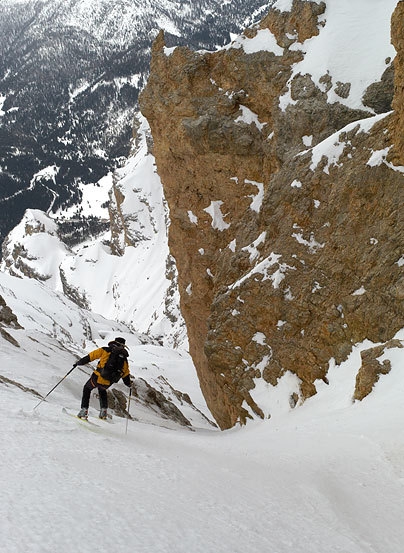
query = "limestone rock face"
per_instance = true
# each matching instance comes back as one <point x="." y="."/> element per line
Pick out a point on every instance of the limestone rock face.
<point x="286" y="223"/>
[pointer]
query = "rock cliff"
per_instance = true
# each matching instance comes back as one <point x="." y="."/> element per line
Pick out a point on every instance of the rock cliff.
<point x="285" y="202"/>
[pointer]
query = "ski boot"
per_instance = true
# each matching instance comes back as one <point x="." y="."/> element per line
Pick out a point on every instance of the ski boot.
<point x="103" y="413"/>
<point x="83" y="413"/>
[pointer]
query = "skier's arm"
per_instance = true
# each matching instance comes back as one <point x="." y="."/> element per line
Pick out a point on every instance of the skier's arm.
<point x="126" y="374"/>
<point x="96" y="354"/>
<point x="83" y="361"/>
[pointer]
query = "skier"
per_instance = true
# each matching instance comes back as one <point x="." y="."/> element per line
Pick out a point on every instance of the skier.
<point x="111" y="367"/>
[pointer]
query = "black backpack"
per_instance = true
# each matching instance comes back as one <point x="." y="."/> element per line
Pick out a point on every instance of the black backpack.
<point x="113" y="368"/>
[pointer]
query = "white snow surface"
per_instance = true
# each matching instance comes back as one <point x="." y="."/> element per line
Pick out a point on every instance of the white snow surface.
<point x="333" y="147"/>
<point x="2" y="100"/>
<point x="214" y="210"/>
<point x="352" y="47"/>
<point x="258" y="198"/>
<point x="263" y="41"/>
<point x="248" y="116"/>
<point x="325" y="476"/>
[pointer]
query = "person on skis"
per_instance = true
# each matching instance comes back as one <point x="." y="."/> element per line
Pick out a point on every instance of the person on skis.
<point x="112" y="366"/>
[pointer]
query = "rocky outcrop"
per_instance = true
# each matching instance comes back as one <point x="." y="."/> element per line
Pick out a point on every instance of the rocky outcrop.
<point x="129" y="228"/>
<point x="119" y="239"/>
<point x="8" y="320"/>
<point x="285" y="218"/>
<point x="12" y="383"/>
<point x="372" y="368"/>
<point x="7" y="317"/>
<point x="17" y="260"/>
<point x="379" y="95"/>
<point x="160" y="398"/>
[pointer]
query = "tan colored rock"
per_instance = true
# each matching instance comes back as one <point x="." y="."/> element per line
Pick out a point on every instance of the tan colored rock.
<point x="372" y="368"/>
<point x="7" y="317"/>
<point x="284" y="263"/>
<point x="8" y="320"/>
<point x="119" y="238"/>
<point x="302" y="22"/>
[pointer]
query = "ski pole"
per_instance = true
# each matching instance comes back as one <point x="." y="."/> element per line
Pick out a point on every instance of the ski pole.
<point x="50" y="391"/>
<point x="128" y="415"/>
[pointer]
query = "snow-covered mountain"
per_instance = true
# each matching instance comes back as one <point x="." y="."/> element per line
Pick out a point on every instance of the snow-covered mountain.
<point x="70" y="74"/>
<point x="138" y="286"/>
<point x="283" y="187"/>
<point x="324" y="475"/>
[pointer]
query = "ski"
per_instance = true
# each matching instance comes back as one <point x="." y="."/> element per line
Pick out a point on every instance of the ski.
<point x="86" y="422"/>
<point x="107" y="420"/>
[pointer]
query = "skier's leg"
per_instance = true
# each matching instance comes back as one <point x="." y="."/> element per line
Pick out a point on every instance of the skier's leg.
<point x="87" y="389"/>
<point x="102" y="393"/>
<point x="103" y="397"/>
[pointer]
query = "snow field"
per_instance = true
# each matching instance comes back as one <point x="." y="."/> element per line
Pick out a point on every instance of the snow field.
<point x="359" y="55"/>
<point x="327" y="476"/>
<point x="300" y="484"/>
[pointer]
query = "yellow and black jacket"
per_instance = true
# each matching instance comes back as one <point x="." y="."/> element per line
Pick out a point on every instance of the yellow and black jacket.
<point x="102" y="354"/>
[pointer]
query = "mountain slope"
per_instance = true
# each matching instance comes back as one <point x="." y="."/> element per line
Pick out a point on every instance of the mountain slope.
<point x="43" y="333"/>
<point x="126" y="273"/>
<point x="266" y="188"/>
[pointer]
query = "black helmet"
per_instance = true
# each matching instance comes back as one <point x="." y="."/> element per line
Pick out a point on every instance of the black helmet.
<point x="120" y="340"/>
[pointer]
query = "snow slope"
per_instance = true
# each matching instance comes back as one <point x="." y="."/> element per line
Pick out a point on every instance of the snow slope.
<point x="357" y="55"/>
<point x="161" y="490"/>
<point x="325" y="476"/>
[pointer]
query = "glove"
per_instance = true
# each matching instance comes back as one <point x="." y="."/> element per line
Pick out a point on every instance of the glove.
<point x="74" y="365"/>
<point x="127" y="381"/>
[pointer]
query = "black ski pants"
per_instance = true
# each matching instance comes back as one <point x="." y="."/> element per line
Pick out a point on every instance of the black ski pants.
<point x="89" y="387"/>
